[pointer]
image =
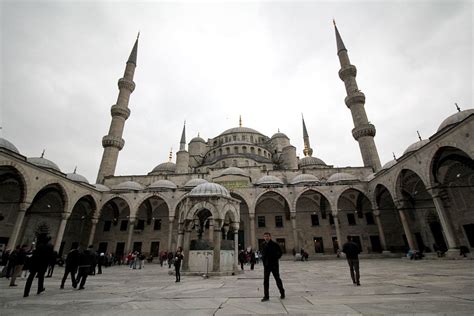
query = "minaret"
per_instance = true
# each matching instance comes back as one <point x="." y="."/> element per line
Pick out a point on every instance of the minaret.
<point x="182" y="156"/>
<point x="363" y="131"/>
<point x="307" y="151"/>
<point x="120" y="112"/>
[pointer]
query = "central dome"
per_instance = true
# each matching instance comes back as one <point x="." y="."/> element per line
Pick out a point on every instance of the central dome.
<point x="240" y="130"/>
<point x="43" y="163"/>
<point x="209" y="189"/>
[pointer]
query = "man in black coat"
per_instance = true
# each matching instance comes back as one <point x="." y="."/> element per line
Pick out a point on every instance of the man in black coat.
<point x="39" y="263"/>
<point x="271" y="253"/>
<point x="351" y="249"/>
<point x="86" y="260"/>
<point x="72" y="262"/>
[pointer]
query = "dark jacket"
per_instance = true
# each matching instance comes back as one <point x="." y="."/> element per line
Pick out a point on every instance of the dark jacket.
<point x="86" y="259"/>
<point x="177" y="260"/>
<point x="41" y="257"/>
<point x="72" y="259"/>
<point x="271" y="253"/>
<point x="351" y="249"/>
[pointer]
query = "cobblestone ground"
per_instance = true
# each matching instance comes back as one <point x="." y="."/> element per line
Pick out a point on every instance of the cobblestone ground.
<point x="389" y="286"/>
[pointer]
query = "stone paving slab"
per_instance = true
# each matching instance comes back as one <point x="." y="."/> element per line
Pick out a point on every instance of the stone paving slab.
<point x="389" y="286"/>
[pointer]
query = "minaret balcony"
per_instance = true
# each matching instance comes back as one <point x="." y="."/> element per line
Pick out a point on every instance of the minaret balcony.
<point x="364" y="130"/>
<point x="347" y="71"/>
<point x="112" y="141"/>
<point x="126" y="84"/>
<point x="355" y="98"/>
<point x="116" y="110"/>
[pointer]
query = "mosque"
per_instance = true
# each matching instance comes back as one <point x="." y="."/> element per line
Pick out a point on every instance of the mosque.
<point x="229" y="189"/>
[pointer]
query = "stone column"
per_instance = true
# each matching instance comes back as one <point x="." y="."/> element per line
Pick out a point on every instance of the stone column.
<point x="226" y="231"/>
<point x="295" y="232"/>
<point x="18" y="224"/>
<point x="211" y="230"/>
<point x="340" y="242"/>
<point x="406" y="228"/>
<point x="186" y="245"/>
<point x="253" y="240"/>
<point x="60" y="234"/>
<point x="170" y="233"/>
<point x="236" y="247"/>
<point x="179" y="243"/>
<point x="443" y="218"/>
<point x="216" y="260"/>
<point x="376" y="213"/>
<point x="95" y="221"/>
<point x="131" y="227"/>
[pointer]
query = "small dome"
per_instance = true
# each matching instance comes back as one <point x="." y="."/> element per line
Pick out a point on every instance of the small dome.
<point x="162" y="184"/>
<point x="197" y="140"/>
<point x="389" y="164"/>
<point x="165" y="167"/>
<point x="209" y="189"/>
<point x="370" y="177"/>
<point x="101" y="187"/>
<point x="310" y="161"/>
<point x="416" y="146"/>
<point x="43" y="163"/>
<point x="76" y="177"/>
<point x="269" y="180"/>
<point x="194" y="183"/>
<point x="455" y="118"/>
<point x="233" y="171"/>
<point x="304" y="178"/>
<point x="7" y="145"/>
<point x="128" y="186"/>
<point x="279" y="135"/>
<point x="239" y="130"/>
<point x="341" y="176"/>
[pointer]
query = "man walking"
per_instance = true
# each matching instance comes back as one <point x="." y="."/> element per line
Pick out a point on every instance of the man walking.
<point x="72" y="262"/>
<point x="271" y="253"/>
<point x="351" y="249"/>
<point x="39" y="263"/>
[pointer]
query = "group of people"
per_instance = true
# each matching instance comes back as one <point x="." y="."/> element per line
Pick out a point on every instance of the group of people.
<point x="248" y="256"/>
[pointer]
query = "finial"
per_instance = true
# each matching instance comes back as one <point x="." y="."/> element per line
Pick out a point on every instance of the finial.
<point x="184" y="122"/>
<point x="278" y="130"/>
<point x="419" y="136"/>
<point x="75" y="169"/>
<point x="42" y="154"/>
<point x="457" y="107"/>
<point x="240" y="120"/>
<point x="171" y="153"/>
<point x="138" y="35"/>
<point x="394" y="157"/>
<point x="198" y="135"/>
<point x="334" y="21"/>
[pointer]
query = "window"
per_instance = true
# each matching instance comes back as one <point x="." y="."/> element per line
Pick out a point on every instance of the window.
<point x="351" y="219"/>
<point x="244" y="137"/>
<point x="123" y="225"/>
<point x="314" y="220"/>
<point x="369" y="218"/>
<point x="360" y="214"/>
<point x="140" y="224"/>
<point x="323" y="213"/>
<point x="157" y="224"/>
<point x="107" y="225"/>
<point x="278" y="221"/>
<point x="261" y="221"/>
<point x="251" y="138"/>
<point x="234" y="138"/>
<point x="331" y="219"/>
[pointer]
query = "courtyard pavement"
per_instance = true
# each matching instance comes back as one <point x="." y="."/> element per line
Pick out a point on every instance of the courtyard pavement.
<point x="389" y="286"/>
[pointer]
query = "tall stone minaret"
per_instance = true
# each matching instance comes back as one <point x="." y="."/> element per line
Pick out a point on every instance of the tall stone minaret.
<point x="363" y="131"/>
<point x="307" y="151"/>
<point x="113" y="142"/>
<point x="182" y="156"/>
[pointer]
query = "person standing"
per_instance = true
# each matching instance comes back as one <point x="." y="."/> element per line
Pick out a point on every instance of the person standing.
<point x="51" y="264"/>
<point x="252" y="259"/>
<point x="39" y="263"/>
<point x="72" y="262"/>
<point x="271" y="253"/>
<point x="18" y="262"/>
<point x="241" y="259"/>
<point x="170" y="259"/>
<point x="352" y="250"/>
<point x="86" y="259"/>
<point x="177" y="264"/>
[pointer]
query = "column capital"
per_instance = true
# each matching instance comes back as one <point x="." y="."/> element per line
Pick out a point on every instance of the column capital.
<point x="24" y="206"/>
<point x="132" y="220"/>
<point x="171" y="219"/>
<point x="293" y="215"/>
<point x="434" y="191"/>
<point x="94" y="220"/>
<point x="376" y="212"/>
<point x="252" y="216"/>
<point x="65" y="216"/>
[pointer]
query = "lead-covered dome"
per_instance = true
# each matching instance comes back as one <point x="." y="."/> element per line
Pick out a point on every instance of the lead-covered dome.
<point x="197" y="140"/>
<point x="194" y="183"/>
<point x="269" y="181"/>
<point x="307" y="162"/>
<point x="164" y="168"/>
<point x="416" y="146"/>
<point x="455" y="118"/>
<point x="162" y="185"/>
<point x="77" y="177"/>
<point x="128" y="186"/>
<point x="241" y="129"/>
<point x="304" y="178"/>
<point x="279" y="135"/>
<point x="389" y="164"/>
<point x="8" y="145"/>
<point x="43" y="163"/>
<point x="209" y="189"/>
<point x="101" y="187"/>
<point x="233" y="171"/>
<point x="341" y="176"/>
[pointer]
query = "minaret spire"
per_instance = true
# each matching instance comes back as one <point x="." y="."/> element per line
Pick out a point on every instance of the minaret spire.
<point x="171" y="154"/>
<point x="113" y="141"/>
<point x="307" y="151"/>
<point x="240" y="120"/>
<point x="182" y="143"/>
<point x="363" y="131"/>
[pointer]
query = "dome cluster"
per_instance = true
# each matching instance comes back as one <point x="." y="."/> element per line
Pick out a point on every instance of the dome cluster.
<point x="304" y="179"/>
<point x="209" y="189"/>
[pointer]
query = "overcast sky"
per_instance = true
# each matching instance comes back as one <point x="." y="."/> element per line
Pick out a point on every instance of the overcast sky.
<point x="207" y="63"/>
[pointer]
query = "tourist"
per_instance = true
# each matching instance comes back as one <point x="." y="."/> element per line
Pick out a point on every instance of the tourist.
<point x="72" y="262"/>
<point x="86" y="260"/>
<point x="271" y="253"/>
<point x="18" y="260"/>
<point x="351" y="249"/>
<point x="177" y="264"/>
<point x="242" y="259"/>
<point x="51" y="264"/>
<point x="252" y="258"/>
<point x="102" y="261"/>
<point x="170" y="259"/>
<point x="39" y="263"/>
